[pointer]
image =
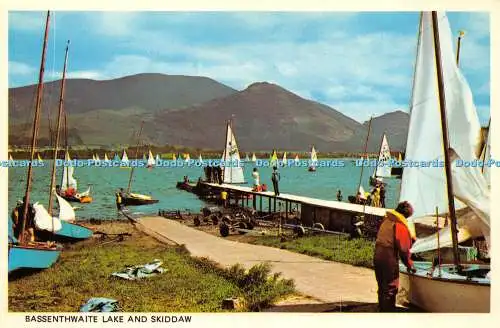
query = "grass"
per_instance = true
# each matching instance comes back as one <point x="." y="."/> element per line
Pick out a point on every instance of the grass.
<point x="189" y="285"/>
<point x="358" y="251"/>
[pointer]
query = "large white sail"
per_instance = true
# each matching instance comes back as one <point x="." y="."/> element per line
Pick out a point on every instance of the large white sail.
<point x="425" y="187"/>
<point x="68" y="181"/>
<point x="383" y="168"/>
<point x="43" y="220"/>
<point x="233" y="172"/>
<point x="254" y="158"/>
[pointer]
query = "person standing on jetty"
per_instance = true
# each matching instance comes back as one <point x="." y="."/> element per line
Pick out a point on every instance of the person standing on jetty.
<point x="394" y="240"/>
<point x="256" y="179"/>
<point x="382" y="196"/>
<point x="339" y="195"/>
<point x="275" y="178"/>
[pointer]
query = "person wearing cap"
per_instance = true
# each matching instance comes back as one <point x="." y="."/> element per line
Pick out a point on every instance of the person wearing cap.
<point x="394" y="240"/>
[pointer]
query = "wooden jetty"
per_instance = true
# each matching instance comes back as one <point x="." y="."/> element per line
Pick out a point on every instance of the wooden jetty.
<point x="333" y="215"/>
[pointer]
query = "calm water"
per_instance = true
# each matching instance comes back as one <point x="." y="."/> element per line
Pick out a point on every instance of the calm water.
<point x="160" y="183"/>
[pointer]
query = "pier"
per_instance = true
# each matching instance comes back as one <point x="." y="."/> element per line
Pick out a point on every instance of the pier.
<point x="333" y="215"/>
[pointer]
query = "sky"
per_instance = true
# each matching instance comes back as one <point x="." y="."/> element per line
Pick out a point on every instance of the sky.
<point x="360" y="63"/>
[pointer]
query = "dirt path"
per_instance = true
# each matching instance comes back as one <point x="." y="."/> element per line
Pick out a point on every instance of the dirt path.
<point x="325" y="281"/>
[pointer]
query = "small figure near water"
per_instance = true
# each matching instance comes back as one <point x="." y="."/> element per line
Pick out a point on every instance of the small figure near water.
<point x="275" y="178"/>
<point x="394" y="240"/>
<point x="17" y="215"/>
<point x="223" y="197"/>
<point x="382" y="196"/>
<point x="256" y="178"/>
<point x="339" y="195"/>
<point x="119" y="197"/>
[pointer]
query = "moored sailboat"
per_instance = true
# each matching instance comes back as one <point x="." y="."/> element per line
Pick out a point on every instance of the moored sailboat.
<point x="383" y="168"/>
<point x="133" y="199"/>
<point x="232" y="171"/>
<point x="313" y="160"/>
<point x="448" y="115"/>
<point x="25" y="254"/>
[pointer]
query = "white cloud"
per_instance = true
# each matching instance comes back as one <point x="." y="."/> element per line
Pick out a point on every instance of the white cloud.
<point x="18" y="68"/>
<point x="93" y="75"/>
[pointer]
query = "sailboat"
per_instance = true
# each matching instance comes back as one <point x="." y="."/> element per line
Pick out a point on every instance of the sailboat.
<point x="174" y="158"/>
<point x="284" y="159"/>
<point x="62" y="228"/>
<point x="314" y="160"/>
<point x="254" y="158"/>
<point x="124" y="160"/>
<point x="247" y="159"/>
<point x="40" y="160"/>
<point x="106" y="159"/>
<point x="69" y="184"/>
<point x="200" y="159"/>
<point x="297" y="160"/>
<point x="443" y="109"/>
<point x="157" y="160"/>
<point x="187" y="158"/>
<point x="232" y="171"/>
<point x="23" y="253"/>
<point x="151" y="160"/>
<point x="383" y="168"/>
<point x="132" y="199"/>
<point x="274" y="159"/>
<point x="10" y="157"/>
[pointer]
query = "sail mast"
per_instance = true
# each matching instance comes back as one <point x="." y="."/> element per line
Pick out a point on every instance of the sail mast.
<point x="444" y="129"/>
<point x="459" y="41"/>
<point x="34" y="130"/>
<point x="58" y="127"/>
<point x="136" y="154"/>
<point x="486" y="145"/>
<point x="366" y="146"/>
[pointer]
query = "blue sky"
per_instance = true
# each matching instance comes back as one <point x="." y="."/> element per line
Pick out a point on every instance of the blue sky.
<point x="359" y="63"/>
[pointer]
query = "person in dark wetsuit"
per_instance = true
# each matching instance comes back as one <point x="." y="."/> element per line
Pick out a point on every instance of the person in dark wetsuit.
<point x="275" y="178"/>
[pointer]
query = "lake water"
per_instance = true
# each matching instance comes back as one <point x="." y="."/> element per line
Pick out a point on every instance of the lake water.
<point x="160" y="183"/>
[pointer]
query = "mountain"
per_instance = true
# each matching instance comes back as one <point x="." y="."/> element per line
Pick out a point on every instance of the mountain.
<point x="265" y="116"/>
<point x="192" y="111"/>
<point x="395" y="125"/>
<point x="149" y="91"/>
<point x="106" y="112"/>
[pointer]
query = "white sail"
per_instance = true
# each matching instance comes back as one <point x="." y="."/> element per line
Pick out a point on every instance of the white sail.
<point x="125" y="158"/>
<point x="97" y="158"/>
<point x="233" y="172"/>
<point x="297" y="158"/>
<point x="247" y="159"/>
<point x="157" y="158"/>
<point x="68" y="181"/>
<point x="314" y="157"/>
<point x="66" y="211"/>
<point x="43" y="220"/>
<point x="200" y="159"/>
<point x="383" y="168"/>
<point x="106" y="159"/>
<point x="93" y="157"/>
<point x="83" y="194"/>
<point x="187" y="158"/>
<point x="151" y="159"/>
<point x="254" y="158"/>
<point x="10" y="158"/>
<point x="425" y="187"/>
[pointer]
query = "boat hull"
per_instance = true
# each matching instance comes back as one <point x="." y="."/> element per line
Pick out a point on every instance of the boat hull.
<point x="73" y="199"/>
<point x="445" y="294"/>
<point x="70" y="232"/>
<point x="132" y="201"/>
<point x="31" y="257"/>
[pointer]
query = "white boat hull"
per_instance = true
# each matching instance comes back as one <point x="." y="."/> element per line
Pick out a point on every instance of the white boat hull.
<point x="446" y="294"/>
